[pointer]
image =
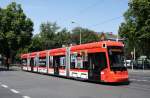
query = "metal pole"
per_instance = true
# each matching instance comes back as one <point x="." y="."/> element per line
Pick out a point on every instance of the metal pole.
<point x="134" y="53"/>
<point x="143" y="63"/>
<point x="132" y="64"/>
<point x="47" y="61"/>
<point x="80" y="37"/>
<point x="133" y="57"/>
<point x="67" y="61"/>
<point x="117" y="37"/>
<point x="79" y="32"/>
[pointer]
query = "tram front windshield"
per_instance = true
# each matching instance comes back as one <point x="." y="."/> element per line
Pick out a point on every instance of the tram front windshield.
<point x="116" y="58"/>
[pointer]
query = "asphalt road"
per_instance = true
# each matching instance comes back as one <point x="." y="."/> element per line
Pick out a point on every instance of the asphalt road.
<point x="31" y="85"/>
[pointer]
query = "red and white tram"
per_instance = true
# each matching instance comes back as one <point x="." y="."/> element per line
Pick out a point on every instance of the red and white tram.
<point x="98" y="61"/>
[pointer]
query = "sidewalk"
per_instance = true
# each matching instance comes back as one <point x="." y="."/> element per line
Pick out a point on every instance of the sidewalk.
<point x="11" y="68"/>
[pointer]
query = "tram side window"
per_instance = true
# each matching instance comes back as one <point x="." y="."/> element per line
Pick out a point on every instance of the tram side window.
<point x="36" y="61"/>
<point x="85" y="65"/>
<point x="59" y="61"/>
<point x="85" y="60"/>
<point x="103" y="63"/>
<point x="51" y="62"/>
<point x="62" y="62"/>
<point x="24" y="62"/>
<point x="79" y="61"/>
<point x="82" y="61"/>
<point x="42" y="62"/>
<point x="32" y="62"/>
<point x="100" y="59"/>
<point x="73" y="61"/>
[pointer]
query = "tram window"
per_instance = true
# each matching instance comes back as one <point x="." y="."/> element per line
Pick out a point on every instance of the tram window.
<point x="73" y="61"/>
<point x="84" y="56"/>
<point x="56" y="61"/>
<point x="73" y="57"/>
<point x="102" y="58"/>
<point x="62" y="62"/>
<point x="24" y="62"/>
<point x="59" y="61"/>
<point x="51" y="62"/>
<point x="42" y="62"/>
<point x="32" y="62"/>
<point x="98" y="60"/>
<point x="36" y="61"/>
<point x="79" y="62"/>
<point x="85" y="65"/>
<point x="72" y="66"/>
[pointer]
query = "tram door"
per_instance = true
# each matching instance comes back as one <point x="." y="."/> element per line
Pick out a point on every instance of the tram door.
<point x="56" y="62"/>
<point x="97" y="62"/>
<point x="32" y="64"/>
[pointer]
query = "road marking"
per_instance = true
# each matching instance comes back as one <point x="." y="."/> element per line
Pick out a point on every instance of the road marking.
<point x="5" y="86"/>
<point x="26" y="97"/>
<point x="14" y="91"/>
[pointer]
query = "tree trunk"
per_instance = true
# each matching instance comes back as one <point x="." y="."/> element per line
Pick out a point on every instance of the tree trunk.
<point x="7" y="63"/>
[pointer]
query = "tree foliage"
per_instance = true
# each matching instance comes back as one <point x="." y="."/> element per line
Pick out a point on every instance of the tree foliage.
<point x="36" y="43"/>
<point x="63" y="37"/>
<point x="15" y="29"/>
<point x="86" y="35"/>
<point x="136" y="28"/>
<point x="47" y="34"/>
<point x="51" y="36"/>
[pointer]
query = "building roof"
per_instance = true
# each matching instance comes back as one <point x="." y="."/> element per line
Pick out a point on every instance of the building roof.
<point x="108" y="36"/>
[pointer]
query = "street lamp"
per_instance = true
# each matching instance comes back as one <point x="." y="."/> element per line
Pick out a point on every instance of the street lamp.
<point x="79" y="31"/>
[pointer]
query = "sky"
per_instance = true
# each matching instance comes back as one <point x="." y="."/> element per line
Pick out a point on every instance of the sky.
<point x="97" y="15"/>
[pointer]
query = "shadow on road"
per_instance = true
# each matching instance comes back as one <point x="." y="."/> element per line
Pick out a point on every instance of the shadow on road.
<point x="95" y="82"/>
<point x="110" y="84"/>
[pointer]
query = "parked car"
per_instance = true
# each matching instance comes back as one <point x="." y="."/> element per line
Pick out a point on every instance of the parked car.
<point x="128" y="63"/>
<point x="142" y="62"/>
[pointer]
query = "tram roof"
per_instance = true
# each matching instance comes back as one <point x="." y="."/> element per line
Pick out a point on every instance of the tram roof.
<point x="96" y="45"/>
<point x="24" y="55"/>
<point x="61" y="51"/>
<point x="58" y="51"/>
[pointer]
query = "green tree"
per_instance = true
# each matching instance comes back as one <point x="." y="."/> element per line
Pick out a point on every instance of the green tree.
<point x="48" y="34"/>
<point x="86" y="35"/>
<point x="63" y="37"/>
<point x="36" y="44"/>
<point x="136" y="28"/>
<point x="15" y="30"/>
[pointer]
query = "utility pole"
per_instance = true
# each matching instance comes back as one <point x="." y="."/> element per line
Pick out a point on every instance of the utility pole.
<point x="79" y="31"/>
<point x="80" y="37"/>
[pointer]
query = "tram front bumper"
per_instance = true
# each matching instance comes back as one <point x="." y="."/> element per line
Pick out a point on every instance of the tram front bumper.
<point x="117" y="77"/>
